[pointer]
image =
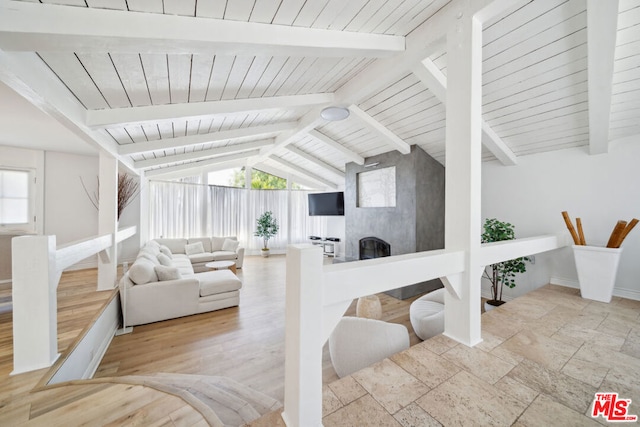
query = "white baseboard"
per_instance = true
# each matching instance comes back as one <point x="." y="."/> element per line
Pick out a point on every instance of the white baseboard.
<point x="617" y="292"/>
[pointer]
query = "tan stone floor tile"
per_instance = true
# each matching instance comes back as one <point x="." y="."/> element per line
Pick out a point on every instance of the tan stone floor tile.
<point x="425" y="365"/>
<point x="272" y="419"/>
<point x="438" y="344"/>
<point x="528" y="308"/>
<point x="489" y="341"/>
<point x="501" y="324"/>
<point x="467" y="400"/>
<point x="516" y="389"/>
<point x="631" y="345"/>
<point x="362" y="412"/>
<point x="541" y="349"/>
<point x="616" y="309"/>
<point x="507" y="355"/>
<point x="585" y="371"/>
<point x="617" y="325"/>
<point x="547" y="412"/>
<point x="390" y="385"/>
<point x="629" y="303"/>
<point x="414" y="416"/>
<point x="347" y="390"/>
<point x="587" y="320"/>
<point x="330" y="402"/>
<point x="480" y="363"/>
<point x="563" y="388"/>
<point x="578" y="335"/>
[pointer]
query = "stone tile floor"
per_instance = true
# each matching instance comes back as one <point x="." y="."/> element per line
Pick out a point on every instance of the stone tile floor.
<point x="543" y="357"/>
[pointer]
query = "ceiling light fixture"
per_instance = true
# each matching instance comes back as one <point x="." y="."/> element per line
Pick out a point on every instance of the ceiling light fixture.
<point x="334" y="114"/>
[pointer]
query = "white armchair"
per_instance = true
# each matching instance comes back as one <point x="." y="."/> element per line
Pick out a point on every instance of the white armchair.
<point x="357" y="343"/>
<point x="427" y="314"/>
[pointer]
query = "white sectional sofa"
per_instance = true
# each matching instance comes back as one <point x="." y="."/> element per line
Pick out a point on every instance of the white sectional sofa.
<point x="163" y="285"/>
<point x="213" y="249"/>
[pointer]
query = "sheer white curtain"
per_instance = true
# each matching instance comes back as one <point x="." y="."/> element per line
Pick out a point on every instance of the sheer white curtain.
<point x="182" y="209"/>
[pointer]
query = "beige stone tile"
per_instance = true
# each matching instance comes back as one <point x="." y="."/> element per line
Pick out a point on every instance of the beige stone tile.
<point x="528" y="308"/>
<point x="390" y="385"/>
<point x="563" y="388"/>
<point x="617" y="325"/>
<point x="330" y="402"/>
<point x="585" y="371"/>
<point x="425" y="365"/>
<point x="467" y="400"/>
<point x="629" y="303"/>
<point x="587" y="320"/>
<point x="507" y="355"/>
<point x="489" y="341"/>
<point x="272" y="419"/>
<point x="516" y="389"/>
<point x="631" y="345"/>
<point x="438" y="344"/>
<point x="480" y="363"/>
<point x="347" y="390"/>
<point x="501" y="324"/>
<point x="578" y="335"/>
<point x="541" y="349"/>
<point x="547" y="412"/>
<point x="414" y="416"/>
<point x="616" y="309"/>
<point x="362" y="412"/>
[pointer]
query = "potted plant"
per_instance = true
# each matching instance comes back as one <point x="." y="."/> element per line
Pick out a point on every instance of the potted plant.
<point x="502" y="273"/>
<point x="267" y="227"/>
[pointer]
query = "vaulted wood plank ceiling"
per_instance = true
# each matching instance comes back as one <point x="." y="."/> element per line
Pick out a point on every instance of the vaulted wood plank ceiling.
<point x="194" y="100"/>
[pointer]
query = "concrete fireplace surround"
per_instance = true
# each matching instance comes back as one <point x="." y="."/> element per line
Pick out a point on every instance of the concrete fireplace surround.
<point x="415" y="224"/>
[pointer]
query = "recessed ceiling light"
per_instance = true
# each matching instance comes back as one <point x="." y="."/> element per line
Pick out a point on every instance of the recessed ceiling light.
<point x="334" y="114"/>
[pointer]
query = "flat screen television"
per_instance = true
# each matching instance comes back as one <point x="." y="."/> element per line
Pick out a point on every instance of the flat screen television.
<point x="326" y="204"/>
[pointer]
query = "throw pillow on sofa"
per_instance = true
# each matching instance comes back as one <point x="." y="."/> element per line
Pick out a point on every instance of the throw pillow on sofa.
<point x="142" y="271"/>
<point x="167" y="273"/>
<point x="194" y="248"/>
<point x="165" y="260"/>
<point x="165" y="250"/>
<point x="230" y="245"/>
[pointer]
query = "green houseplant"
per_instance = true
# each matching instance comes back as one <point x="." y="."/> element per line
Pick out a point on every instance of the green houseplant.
<point x="266" y="228"/>
<point x="502" y="273"/>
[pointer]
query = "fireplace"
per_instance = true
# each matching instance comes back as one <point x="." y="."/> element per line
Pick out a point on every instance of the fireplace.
<point x="372" y="247"/>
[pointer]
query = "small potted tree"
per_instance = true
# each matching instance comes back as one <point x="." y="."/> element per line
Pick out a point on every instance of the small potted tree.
<point x="502" y="273"/>
<point x="267" y="227"/>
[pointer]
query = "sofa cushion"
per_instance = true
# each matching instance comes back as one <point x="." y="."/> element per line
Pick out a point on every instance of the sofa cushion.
<point x="165" y="260"/>
<point x="165" y="250"/>
<point x="176" y="246"/>
<point x="183" y="264"/>
<point x="167" y="273"/>
<point x="150" y="257"/>
<point x="215" y="282"/>
<point x="142" y="271"/>
<point x="206" y="242"/>
<point x="225" y="256"/>
<point x="230" y="245"/>
<point x="217" y="242"/>
<point x="193" y="248"/>
<point x="203" y="257"/>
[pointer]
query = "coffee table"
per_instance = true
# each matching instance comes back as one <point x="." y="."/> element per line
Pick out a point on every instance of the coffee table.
<point x="221" y="265"/>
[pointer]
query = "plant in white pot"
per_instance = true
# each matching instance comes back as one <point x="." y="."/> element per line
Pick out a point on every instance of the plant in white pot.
<point x="266" y="228"/>
<point x="503" y="273"/>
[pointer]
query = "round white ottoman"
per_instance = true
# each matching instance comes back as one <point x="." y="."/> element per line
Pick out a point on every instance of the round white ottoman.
<point x="427" y="314"/>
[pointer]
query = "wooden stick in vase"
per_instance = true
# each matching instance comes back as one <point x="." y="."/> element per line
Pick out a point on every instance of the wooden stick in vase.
<point x="626" y="231"/>
<point x="572" y="230"/>
<point x="583" y="242"/>
<point x="615" y="234"/>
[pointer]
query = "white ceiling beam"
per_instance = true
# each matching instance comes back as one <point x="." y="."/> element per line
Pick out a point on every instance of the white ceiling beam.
<point x="435" y="80"/>
<point x="287" y="175"/>
<point x="315" y="161"/>
<point x="25" y="73"/>
<point x="186" y="141"/>
<point x="200" y="165"/>
<point x="166" y="174"/>
<point x="213" y="152"/>
<point x="351" y="155"/>
<point x="120" y="117"/>
<point x="30" y="27"/>
<point x="602" y="28"/>
<point x="300" y="171"/>
<point x="389" y="137"/>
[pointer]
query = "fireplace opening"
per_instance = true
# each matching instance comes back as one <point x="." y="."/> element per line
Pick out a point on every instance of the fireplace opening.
<point x="372" y="247"/>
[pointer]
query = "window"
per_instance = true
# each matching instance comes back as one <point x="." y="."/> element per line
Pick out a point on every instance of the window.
<point x="15" y="199"/>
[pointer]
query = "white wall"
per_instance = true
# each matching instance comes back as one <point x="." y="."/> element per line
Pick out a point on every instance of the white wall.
<point x="599" y="189"/>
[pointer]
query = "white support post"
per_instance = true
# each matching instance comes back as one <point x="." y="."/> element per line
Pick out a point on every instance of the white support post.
<point x="463" y="174"/>
<point x="107" y="219"/>
<point x="35" y="321"/>
<point x="303" y="344"/>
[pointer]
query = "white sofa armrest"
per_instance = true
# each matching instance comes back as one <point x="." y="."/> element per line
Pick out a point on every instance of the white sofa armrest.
<point x="240" y="252"/>
<point x="157" y="301"/>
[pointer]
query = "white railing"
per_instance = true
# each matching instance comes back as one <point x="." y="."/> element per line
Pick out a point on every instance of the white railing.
<point x="318" y="296"/>
<point x="36" y="269"/>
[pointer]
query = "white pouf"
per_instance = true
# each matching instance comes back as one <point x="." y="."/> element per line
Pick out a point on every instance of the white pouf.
<point x="427" y="314"/>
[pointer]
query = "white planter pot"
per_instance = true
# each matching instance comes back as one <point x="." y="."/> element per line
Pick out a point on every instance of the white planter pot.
<point x="597" y="268"/>
<point x="265" y="253"/>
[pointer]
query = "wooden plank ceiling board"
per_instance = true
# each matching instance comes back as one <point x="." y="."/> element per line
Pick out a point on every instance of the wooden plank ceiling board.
<point x="157" y="76"/>
<point x="264" y="11"/>
<point x="179" y="67"/>
<point x="131" y="73"/>
<point x="201" y="69"/>
<point x="180" y="7"/>
<point x="625" y="104"/>
<point x="102" y="71"/>
<point x="152" y="6"/>
<point x="108" y="4"/>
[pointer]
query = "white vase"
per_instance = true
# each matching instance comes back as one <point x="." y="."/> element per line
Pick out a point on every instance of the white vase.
<point x="264" y="252"/>
<point x="597" y="268"/>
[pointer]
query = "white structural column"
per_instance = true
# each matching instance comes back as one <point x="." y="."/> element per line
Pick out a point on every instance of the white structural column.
<point x="107" y="219"/>
<point x="145" y="210"/>
<point x="463" y="173"/>
<point x="303" y="343"/>
<point x="35" y="322"/>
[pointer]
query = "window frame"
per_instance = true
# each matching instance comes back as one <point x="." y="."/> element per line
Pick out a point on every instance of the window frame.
<point x="30" y="226"/>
